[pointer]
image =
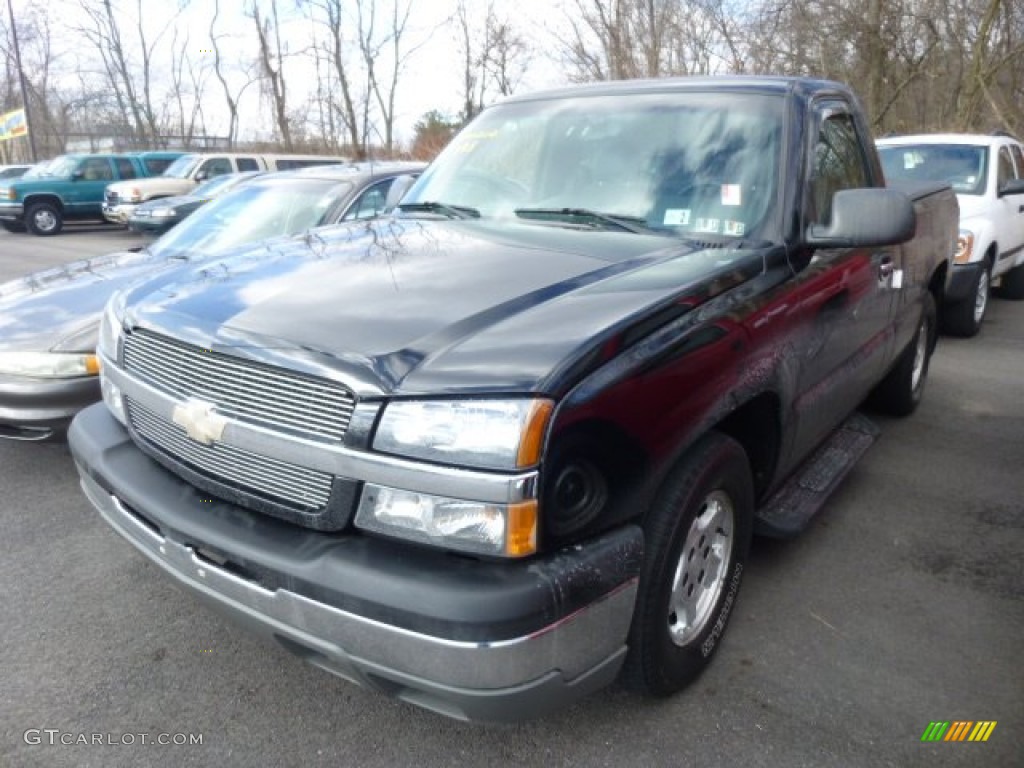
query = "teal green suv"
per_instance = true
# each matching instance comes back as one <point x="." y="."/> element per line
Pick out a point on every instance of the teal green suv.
<point x="70" y="187"/>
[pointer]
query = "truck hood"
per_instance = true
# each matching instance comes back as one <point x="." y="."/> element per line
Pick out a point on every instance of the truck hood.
<point x="62" y="305"/>
<point x="162" y="185"/>
<point x="423" y="306"/>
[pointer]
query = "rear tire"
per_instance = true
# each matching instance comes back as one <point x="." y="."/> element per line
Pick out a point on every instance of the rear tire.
<point x="964" y="318"/>
<point x="43" y="219"/>
<point x="1012" y="284"/>
<point x="900" y="392"/>
<point x="697" y="536"/>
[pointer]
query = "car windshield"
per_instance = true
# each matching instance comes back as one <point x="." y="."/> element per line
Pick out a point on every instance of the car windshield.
<point x="963" y="166"/>
<point x="254" y="211"/>
<point x="678" y="163"/>
<point x="182" y="167"/>
<point x="60" y="166"/>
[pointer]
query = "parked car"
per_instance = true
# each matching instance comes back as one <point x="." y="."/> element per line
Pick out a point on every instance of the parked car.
<point x="13" y="171"/>
<point x="70" y="187"/>
<point x="189" y="170"/>
<point x="490" y="452"/>
<point x="49" y="320"/>
<point x="987" y="174"/>
<point x="157" y="216"/>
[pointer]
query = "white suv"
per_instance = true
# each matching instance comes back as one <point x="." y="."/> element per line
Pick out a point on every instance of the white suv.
<point x="987" y="174"/>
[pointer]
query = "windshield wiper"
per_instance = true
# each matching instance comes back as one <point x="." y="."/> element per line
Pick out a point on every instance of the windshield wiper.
<point x="445" y="209"/>
<point x="634" y="224"/>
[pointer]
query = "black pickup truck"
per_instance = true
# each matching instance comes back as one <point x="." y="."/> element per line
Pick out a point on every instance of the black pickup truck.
<point x="493" y="452"/>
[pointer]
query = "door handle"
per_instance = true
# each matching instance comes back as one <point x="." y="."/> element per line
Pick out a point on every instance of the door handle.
<point x="885" y="268"/>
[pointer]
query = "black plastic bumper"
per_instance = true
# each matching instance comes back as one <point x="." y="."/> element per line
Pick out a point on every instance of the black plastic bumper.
<point x="471" y="639"/>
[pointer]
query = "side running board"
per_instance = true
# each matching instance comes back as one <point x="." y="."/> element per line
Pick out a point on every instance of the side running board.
<point x="791" y="508"/>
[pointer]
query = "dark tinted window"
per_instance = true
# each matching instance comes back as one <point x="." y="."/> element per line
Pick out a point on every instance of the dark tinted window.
<point x="247" y="164"/>
<point x="125" y="169"/>
<point x="157" y="165"/>
<point x="838" y="163"/>
<point x="215" y="167"/>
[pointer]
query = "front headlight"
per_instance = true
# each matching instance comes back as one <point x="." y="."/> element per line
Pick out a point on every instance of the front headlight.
<point x="505" y="530"/>
<point x="964" y="247"/>
<point x="49" y="365"/>
<point x="111" y="327"/>
<point x="163" y="213"/>
<point x="489" y="434"/>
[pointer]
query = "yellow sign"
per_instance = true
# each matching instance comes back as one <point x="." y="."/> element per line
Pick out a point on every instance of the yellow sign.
<point x="13" y="124"/>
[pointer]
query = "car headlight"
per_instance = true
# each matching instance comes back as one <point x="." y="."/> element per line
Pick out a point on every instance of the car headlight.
<point x="964" y="247"/>
<point x="489" y="434"/>
<point x="111" y="332"/>
<point x="49" y="365"/>
<point x="163" y="213"/>
<point x="505" y="530"/>
<point x="111" y="327"/>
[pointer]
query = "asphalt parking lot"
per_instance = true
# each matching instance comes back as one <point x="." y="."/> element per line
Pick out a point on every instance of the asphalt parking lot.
<point x="902" y="605"/>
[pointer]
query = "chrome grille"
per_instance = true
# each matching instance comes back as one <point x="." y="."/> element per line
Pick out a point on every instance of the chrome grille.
<point x="239" y="388"/>
<point x="283" y="482"/>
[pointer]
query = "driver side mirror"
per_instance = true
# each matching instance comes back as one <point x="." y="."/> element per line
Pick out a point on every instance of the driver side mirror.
<point x="865" y="218"/>
<point x="77" y="175"/>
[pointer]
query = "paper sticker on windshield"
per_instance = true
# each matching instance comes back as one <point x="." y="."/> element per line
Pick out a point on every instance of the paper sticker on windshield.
<point x="706" y="225"/>
<point x="736" y="228"/>
<point x="676" y="217"/>
<point x="731" y="194"/>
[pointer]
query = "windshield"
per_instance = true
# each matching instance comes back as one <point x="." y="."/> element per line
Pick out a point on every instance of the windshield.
<point x="60" y="166"/>
<point x="251" y="212"/>
<point x="676" y="162"/>
<point x="37" y="170"/>
<point x="963" y="166"/>
<point x="182" y="167"/>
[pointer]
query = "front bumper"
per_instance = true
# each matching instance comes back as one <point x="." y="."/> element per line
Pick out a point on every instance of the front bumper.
<point x="12" y="211"/>
<point x="38" y="409"/>
<point x="470" y="639"/>
<point x="118" y="213"/>
<point x="961" y="282"/>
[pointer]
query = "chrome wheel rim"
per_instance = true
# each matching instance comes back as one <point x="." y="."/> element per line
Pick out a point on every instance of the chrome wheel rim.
<point x="981" y="297"/>
<point x="45" y="220"/>
<point x="700" y="574"/>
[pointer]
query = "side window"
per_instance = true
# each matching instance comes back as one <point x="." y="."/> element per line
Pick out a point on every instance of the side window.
<point x="370" y="203"/>
<point x="125" y="169"/>
<point x="838" y="163"/>
<point x="1005" y="172"/>
<point x="157" y="165"/>
<point x="216" y="166"/>
<point x="1018" y="159"/>
<point x="97" y="169"/>
<point x="247" y="164"/>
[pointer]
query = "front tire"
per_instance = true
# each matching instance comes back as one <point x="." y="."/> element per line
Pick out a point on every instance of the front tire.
<point x="1012" y="284"/>
<point x="697" y="537"/>
<point x="43" y="219"/>
<point x="900" y="392"/>
<point x="964" y="318"/>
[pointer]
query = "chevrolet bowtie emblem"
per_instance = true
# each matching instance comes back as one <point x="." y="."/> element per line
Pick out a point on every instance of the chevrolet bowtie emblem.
<point x="199" y="421"/>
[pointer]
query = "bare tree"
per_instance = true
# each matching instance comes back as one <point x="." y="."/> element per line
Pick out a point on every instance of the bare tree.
<point x="271" y="58"/>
